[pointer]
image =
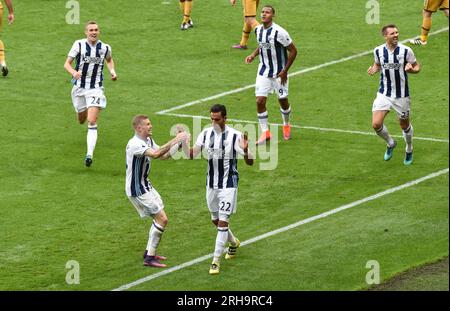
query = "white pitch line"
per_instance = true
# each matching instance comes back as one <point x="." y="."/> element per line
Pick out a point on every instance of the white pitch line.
<point x="286" y="228"/>
<point x="344" y="207"/>
<point x="195" y="102"/>
<point x="442" y="140"/>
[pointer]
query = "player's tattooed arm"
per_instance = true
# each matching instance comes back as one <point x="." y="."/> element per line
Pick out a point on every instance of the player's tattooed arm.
<point x="155" y="154"/>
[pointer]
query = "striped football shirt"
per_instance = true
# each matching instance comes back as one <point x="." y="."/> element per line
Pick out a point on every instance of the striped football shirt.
<point x="90" y="59"/>
<point x="221" y="150"/>
<point x="394" y="79"/>
<point x="273" y="43"/>
<point x="138" y="166"/>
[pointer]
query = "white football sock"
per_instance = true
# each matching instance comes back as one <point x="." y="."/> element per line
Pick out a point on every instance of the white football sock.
<point x="384" y="133"/>
<point x="408" y="136"/>
<point x="231" y="237"/>
<point x="285" y="115"/>
<point x="263" y="119"/>
<point x="221" y="239"/>
<point x="154" y="237"/>
<point x="91" y="139"/>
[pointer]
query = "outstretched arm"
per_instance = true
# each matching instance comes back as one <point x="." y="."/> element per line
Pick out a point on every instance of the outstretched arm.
<point x="155" y="154"/>
<point x="176" y="147"/>
<point x="191" y="153"/>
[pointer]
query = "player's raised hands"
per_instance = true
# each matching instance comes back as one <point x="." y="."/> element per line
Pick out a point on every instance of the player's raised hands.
<point x="180" y="128"/>
<point x="181" y="137"/>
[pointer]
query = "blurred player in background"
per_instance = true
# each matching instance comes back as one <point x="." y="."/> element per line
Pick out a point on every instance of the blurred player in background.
<point x="221" y="145"/>
<point x="3" y="67"/>
<point x="429" y="7"/>
<point x="250" y="22"/>
<point x="141" y="149"/>
<point x="395" y="61"/>
<point x="186" y="9"/>
<point x="88" y="96"/>
<point x="276" y="53"/>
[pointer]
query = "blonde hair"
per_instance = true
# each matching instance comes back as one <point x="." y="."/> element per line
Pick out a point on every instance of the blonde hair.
<point x="90" y="23"/>
<point x="137" y="120"/>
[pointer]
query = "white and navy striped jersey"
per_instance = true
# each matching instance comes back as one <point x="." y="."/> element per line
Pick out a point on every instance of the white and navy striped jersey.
<point x="90" y="60"/>
<point x="221" y="149"/>
<point x="272" y="49"/>
<point x="394" y="79"/>
<point x="138" y="166"/>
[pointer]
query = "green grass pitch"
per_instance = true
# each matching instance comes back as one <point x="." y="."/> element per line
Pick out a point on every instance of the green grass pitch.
<point x="53" y="209"/>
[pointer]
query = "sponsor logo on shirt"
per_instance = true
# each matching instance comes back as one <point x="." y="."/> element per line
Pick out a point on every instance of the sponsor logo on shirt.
<point x="92" y="60"/>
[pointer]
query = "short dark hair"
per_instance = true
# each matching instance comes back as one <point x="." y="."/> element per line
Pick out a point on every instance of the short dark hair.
<point x="271" y="7"/>
<point x="383" y="30"/>
<point x="219" y="108"/>
<point x="137" y="120"/>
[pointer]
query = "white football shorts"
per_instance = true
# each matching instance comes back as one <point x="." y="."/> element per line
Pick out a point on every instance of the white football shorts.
<point x="400" y="105"/>
<point x="221" y="202"/>
<point x="82" y="99"/>
<point x="148" y="204"/>
<point x="265" y="86"/>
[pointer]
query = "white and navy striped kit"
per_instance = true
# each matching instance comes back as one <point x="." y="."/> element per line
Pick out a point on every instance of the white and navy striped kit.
<point x="138" y="166"/>
<point x="90" y="60"/>
<point x="221" y="149"/>
<point x="394" y="79"/>
<point x="272" y="49"/>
